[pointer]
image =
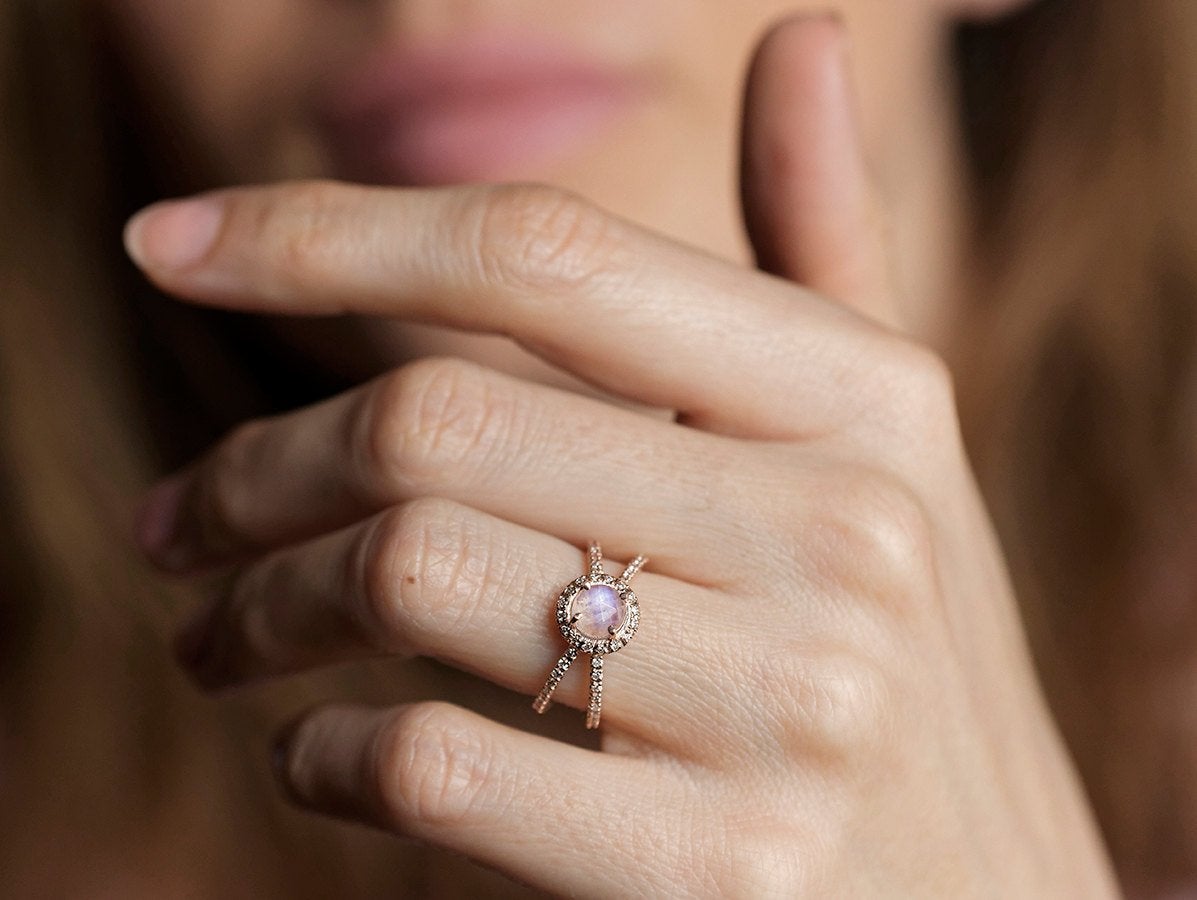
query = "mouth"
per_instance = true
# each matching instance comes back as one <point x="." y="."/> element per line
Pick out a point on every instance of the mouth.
<point x="481" y="108"/>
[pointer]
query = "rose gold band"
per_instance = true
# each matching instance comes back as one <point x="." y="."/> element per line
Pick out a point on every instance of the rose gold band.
<point x="585" y="606"/>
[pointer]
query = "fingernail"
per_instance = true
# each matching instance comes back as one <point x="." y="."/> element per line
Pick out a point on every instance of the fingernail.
<point x="174" y="234"/>
<point x="280" y="759"/>
<point x="202" y="649"/>
<point x="193" y="644"/>
<point x="157" y="520"/>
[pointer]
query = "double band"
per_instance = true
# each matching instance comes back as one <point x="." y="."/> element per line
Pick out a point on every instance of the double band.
<point x="597" y="614"/>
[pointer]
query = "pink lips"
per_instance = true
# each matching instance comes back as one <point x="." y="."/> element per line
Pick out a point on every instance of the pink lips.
<point x="473" y="110"/>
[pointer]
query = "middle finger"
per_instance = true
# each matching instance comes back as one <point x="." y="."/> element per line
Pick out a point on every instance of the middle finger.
<point x="454" y="429"/>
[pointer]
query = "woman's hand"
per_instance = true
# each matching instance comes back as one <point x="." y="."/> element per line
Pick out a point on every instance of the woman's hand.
<point x="829" y="693"/>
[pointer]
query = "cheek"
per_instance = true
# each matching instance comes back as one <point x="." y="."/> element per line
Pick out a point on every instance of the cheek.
<point x="984" y="9"/>
<point x="192" y="43"/>
<point x="234" y="74"/>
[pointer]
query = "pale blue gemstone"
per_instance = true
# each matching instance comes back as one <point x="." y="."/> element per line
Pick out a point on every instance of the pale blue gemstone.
<point x="598" y="608"/>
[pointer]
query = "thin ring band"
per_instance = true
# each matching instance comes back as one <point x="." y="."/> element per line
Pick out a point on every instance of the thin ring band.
<point x="580" y="616"/>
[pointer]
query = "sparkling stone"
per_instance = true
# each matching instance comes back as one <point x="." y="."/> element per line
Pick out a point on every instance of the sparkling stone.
<point x="598" y="608"/>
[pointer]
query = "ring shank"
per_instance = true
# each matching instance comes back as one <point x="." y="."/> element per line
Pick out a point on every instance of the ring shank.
<point x="594" y="707"/>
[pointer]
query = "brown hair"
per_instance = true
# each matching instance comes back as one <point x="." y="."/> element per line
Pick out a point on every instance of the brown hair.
<point x="1078" y="383"/>
<point x="1075" y="367"/>
<point x="102" y="742"/>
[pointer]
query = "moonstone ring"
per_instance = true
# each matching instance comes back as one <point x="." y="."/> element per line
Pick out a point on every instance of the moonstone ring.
<point x="598" y="614"/>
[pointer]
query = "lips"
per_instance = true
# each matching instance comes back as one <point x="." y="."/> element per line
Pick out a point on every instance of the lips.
<point x="477" y="109"/>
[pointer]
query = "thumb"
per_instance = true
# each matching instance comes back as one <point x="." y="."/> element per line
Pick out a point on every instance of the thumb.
<point x="811" y="212"/>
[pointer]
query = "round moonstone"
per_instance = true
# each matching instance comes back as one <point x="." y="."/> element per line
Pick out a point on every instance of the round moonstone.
<point x="598" y="608"/>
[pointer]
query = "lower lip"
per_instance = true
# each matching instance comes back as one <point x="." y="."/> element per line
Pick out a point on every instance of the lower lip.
<point x="471" y="128"/>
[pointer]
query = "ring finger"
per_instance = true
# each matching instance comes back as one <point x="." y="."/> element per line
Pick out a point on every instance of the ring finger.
<point x="439" y="579"/>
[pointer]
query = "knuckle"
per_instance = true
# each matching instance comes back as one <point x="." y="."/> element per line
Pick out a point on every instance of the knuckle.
<point x="872" y="535"/>
<point x="762" y="857"/>
<point x="295" y="229"/>
<point x="415" y="581"/>
<point x="227" y="507"/>
<point x="376" y="568"/>
<point x="538" y="237"/>
<point x="432" y="770"/>
<point x="429" y="425"/>
<point x="248" y="615"/>
<point x="831" y="706"/>
<point x="926" y="382"/>
<point x="913" y="389"/>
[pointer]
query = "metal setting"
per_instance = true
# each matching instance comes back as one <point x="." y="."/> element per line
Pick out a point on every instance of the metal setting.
<point x="583" y="643"/>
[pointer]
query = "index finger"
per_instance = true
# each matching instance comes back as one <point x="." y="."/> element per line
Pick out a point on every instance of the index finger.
<point x="628" y="310"/>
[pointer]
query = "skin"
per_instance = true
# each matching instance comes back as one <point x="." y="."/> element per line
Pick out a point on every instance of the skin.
<point x="246" y="106"/>
<point x="852" y="712"/>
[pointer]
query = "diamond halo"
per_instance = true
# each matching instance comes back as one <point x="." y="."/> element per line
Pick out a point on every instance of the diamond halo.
<point x="580" y="614"/>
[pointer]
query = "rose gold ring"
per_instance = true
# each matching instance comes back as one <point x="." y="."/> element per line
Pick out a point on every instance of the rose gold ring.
<point x="598" y="614"/>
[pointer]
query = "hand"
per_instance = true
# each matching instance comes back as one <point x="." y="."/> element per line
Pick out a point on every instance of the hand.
<point x="829" y="692"/>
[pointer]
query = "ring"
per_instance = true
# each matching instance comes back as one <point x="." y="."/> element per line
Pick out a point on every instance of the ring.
<point x="598" y="614"/>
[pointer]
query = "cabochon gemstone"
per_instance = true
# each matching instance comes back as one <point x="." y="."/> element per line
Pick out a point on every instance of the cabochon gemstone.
<point x="598" y="608"/>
